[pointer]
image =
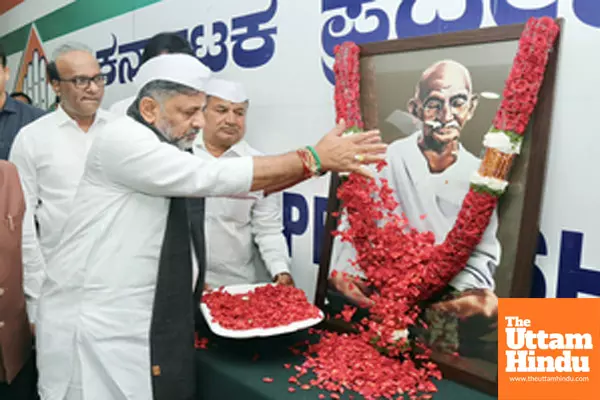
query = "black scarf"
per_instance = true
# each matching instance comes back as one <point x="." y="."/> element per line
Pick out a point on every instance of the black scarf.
<point x="172" y="352"/>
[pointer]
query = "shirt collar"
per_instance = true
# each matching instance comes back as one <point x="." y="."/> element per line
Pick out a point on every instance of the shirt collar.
<point x="240" y="149"/>
<point x="62" y="118"/>
<point x="10" y="105"/>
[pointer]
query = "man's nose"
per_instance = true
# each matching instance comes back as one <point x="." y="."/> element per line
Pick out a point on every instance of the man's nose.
<point x="446" y="113"/>
<point x="198" y="121"/>
<point x="94" y="88"/>
<point x="230" y="118"/>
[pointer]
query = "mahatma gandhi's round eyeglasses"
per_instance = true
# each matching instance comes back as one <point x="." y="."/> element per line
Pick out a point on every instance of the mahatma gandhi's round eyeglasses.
<point x="83" y="82"/>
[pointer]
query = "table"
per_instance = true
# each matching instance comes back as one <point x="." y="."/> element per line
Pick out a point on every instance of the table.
<point x="234" y="369"/>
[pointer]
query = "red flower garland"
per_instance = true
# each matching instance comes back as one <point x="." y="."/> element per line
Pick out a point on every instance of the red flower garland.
<point x="347" y="75"/>
<point x="526" y="76"/>
<point x="404" y="265"/>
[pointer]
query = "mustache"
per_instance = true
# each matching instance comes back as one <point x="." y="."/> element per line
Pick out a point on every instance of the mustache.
<point x="436" y="125"/>
<point x="230" y="129"/>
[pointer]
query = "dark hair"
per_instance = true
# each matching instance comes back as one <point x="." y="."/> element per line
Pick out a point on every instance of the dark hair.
<point x="2" y="56"/>
<point x="21" y="94"/>
<point x="166" y="42"/>
<point x="161" y="90"/>
<point x="52" y="72"/>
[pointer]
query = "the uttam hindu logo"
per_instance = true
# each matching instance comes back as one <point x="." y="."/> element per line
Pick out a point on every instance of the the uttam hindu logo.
<point x="524" y="343"/>
<point x="546" y="349"/>
<point x="31" y="78"/>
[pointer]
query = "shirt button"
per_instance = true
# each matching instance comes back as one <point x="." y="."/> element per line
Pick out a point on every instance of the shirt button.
<point x="1" y="291"/>
<point x="1" y="324"/>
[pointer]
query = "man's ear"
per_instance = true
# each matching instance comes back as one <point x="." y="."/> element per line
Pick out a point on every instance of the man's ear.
<point x="56" y="87"/>
<point x="7" y="73"/>
<point x="473" y="106"/>
<point x="413" y="107"/>
<point x="149" y="109"/>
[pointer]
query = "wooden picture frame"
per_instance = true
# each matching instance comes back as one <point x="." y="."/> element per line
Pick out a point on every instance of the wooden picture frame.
<point x="527" y="177"/>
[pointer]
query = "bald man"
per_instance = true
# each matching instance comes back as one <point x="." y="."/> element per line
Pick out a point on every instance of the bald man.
<point x="429" y="172"/>
<point x="444" y="101"/>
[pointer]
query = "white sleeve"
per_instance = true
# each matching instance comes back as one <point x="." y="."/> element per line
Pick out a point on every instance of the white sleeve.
<point x="267" y="230"/>
<point x="142" y="163"/>
<point x="34" y="265"/>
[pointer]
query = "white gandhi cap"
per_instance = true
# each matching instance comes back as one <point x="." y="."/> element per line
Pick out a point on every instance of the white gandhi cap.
<point x="184" y="69"/>
<point x="226" y="90"/>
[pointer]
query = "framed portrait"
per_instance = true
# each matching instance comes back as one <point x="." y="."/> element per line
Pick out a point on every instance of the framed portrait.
<point x="435" y="94"/>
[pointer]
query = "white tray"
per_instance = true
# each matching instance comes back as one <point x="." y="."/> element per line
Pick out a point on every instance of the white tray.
<point x="257" y="332"/>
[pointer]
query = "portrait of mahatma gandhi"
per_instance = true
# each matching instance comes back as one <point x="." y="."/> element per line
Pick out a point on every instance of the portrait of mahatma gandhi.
<point x="429" y="171"/>
<point x="433" y="101"/>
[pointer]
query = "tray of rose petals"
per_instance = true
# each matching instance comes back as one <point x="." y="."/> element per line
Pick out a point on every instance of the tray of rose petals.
<point x="258" y="310"/>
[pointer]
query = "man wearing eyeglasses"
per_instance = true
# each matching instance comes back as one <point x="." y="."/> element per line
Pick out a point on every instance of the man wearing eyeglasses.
<point x="50" y="156"/>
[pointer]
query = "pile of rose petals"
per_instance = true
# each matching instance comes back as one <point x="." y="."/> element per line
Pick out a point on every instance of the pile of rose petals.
<point x="266" y="306"/>
<point x="343" y="362"/>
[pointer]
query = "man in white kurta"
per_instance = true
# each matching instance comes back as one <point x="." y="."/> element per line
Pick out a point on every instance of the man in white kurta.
<point x="97" y="300"/>
<point x="429" y="173"/>
<point x="50" y="154"/>
<point x="244" y="237"/>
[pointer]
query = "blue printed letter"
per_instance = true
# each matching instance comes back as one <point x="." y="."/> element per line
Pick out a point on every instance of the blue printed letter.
<point x="291" y="227"/>
<point x="406" y="27"/>
<point x="319" y="227"/>
<point x="572" y="278"/>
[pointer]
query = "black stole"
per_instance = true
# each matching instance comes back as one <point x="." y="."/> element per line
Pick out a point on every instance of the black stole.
<point x="172" y="352"/>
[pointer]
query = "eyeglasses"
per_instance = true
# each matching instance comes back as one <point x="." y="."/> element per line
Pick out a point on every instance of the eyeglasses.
<point x="83" y="82"/>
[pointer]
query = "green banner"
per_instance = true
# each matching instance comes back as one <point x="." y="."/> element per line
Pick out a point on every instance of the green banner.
<point x="77" y="15"/>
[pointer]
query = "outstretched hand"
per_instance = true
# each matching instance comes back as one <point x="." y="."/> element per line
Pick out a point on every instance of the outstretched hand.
<point x="350" y="153"/>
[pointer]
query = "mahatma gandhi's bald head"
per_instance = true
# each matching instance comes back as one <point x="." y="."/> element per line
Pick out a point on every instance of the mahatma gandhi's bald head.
<point x="444" y="101"/>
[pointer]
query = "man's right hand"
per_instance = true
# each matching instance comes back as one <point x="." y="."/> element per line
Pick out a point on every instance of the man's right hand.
<point x="353" y="288"/>
<point x="469" y="303"/>
<point x="352" y="152"/>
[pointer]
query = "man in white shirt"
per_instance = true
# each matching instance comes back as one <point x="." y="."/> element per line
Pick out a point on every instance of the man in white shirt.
<point x="116" y="315"/>
<point x="162" y="43"/>
<point x="429" y="173"/>
<point x="245" y="242"/>
<point x="50" y="154"/>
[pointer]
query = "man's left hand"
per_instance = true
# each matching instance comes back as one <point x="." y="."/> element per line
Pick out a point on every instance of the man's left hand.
<point x="284" y="279"/>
